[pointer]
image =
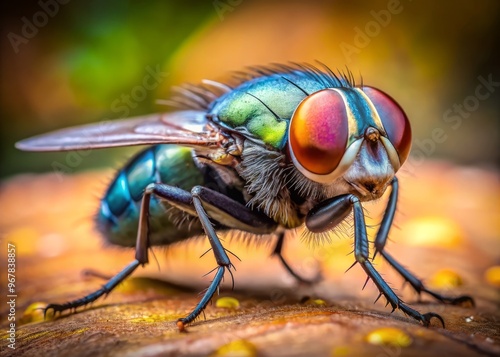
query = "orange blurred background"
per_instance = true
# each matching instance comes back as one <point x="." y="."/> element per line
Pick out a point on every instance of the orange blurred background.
<point x="72" y="62"/>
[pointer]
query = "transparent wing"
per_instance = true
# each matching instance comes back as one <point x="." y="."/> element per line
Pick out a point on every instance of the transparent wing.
<point x="182" y="127"/>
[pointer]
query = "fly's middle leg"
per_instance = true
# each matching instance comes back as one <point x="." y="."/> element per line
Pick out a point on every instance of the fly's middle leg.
<point x="277" y="252"/>
<point x="208" y="204"/>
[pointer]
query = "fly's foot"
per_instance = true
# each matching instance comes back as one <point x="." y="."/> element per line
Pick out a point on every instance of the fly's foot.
<point x="56" y="309"/>
<point x="181" y="325"/>
<point x="459" y="300"/>
<point x="91" y="273"/>
<point x="207" y="296"/>
<point x="463" y="300"/>
<point x="426" y="318"/>
<point x="73" y="305"/>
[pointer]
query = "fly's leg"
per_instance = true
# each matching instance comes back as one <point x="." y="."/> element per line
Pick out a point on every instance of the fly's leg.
<point x="198" y="202"/>
<point x="105" y="290"/>
<point x="362" y="257"/>
<point x="220" y="255"/>
<point x="328" y="214"/>
<point x="91" y="273"/>
<point x="141" y="258"/>
<point x="277" y="252"/>
<point x="381" y="240"/>
<point x="206" y="204"/>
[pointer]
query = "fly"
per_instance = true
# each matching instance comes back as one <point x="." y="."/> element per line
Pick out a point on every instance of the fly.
<point x="287" y="146"/>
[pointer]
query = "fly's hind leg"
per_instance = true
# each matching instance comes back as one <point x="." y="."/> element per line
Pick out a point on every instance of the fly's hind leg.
<point x="179" y="196"/>
<point x="141" y="258"/>
<point x="380" y="242"/>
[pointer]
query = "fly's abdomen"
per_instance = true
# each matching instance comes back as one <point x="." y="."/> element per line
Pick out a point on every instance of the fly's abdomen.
<point x="118" y="215"/>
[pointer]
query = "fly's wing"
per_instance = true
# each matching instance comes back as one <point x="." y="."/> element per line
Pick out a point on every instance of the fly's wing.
<point x="182" y="127"/>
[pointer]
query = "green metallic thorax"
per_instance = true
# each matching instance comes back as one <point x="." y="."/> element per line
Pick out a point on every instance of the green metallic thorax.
<point x="261" y="108"/>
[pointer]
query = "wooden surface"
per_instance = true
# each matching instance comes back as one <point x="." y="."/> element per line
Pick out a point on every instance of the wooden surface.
<point x="447" y="232"/>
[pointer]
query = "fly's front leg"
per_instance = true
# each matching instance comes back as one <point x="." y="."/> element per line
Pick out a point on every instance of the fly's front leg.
<point x="206" y="204"/>
<point x="381" y="240"/>
<point x="362" y="257"/>
<point x="329" y="214"/>
<point x="141" y="258"/>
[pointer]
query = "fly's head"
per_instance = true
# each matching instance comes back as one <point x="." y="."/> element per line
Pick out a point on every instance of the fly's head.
<point x="352" y="140"/>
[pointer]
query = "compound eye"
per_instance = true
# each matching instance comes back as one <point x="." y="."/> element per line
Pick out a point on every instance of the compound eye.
<point x="319" y="132"/>
<point x="394" y="119"/>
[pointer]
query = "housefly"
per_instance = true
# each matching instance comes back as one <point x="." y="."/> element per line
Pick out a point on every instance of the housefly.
<point x="286" y="146"/>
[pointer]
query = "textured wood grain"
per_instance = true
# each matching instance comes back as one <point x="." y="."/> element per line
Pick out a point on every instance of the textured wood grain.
<point x="448" y="219"/>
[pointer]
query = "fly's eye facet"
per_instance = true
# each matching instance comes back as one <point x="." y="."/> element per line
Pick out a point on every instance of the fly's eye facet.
<point x="394" y="119"/>
<point x="318" y="132"/>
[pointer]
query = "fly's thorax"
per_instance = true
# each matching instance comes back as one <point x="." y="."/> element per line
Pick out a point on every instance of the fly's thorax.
<point x="260" y="109"/>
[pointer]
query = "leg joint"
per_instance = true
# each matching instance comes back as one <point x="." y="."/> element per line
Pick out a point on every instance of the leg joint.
<point x="196" y="191"/>
<point x="360" y="258"/>
<point x="150" y="189"/>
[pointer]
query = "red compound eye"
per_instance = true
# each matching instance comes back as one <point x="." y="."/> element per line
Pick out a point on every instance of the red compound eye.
<point x="319" y="131"/>
<point x="394" y="119"/>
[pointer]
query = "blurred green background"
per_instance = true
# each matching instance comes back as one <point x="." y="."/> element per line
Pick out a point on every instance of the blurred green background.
<point x="72" y="62"/>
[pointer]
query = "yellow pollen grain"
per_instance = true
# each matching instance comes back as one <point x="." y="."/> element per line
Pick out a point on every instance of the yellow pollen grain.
<point x="389" y="336"/>
<point x="227" y="302"/>
<point x="238" y="348"/>
<point x="315" y="302"/>
<point x="33" y="313"/>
